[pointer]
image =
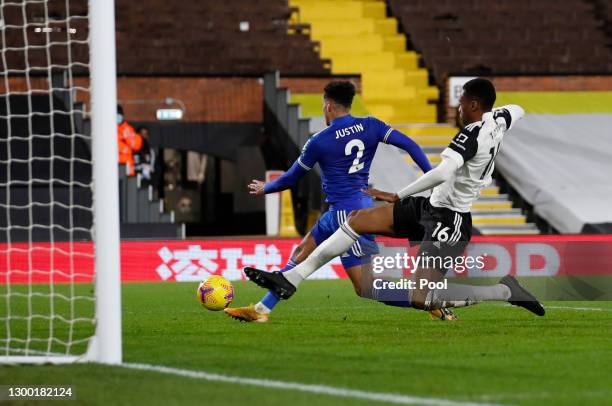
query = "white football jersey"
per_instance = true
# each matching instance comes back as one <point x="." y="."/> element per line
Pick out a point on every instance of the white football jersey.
<point x="474" y="151"/>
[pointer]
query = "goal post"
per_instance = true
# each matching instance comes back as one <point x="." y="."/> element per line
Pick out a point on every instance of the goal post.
<point x="60" y="281"/>
<point x="106" y="345"/>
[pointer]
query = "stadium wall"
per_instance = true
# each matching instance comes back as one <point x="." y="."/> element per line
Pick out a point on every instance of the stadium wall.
<point x="207" y="99"/>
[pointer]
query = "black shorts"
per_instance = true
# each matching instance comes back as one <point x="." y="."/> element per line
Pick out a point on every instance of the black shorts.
<point x="440" y="231"/>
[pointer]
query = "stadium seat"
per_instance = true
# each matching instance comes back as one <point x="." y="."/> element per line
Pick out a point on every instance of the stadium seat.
<point x="550" y="39"/>
<point x="359" y="38"/>
<point x="238" y="37"/>
<point x="212" y="39"/>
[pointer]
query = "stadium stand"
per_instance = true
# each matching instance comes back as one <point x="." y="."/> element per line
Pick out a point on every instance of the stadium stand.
<point x="359" y="38"/>
<point x="223" y="38"/>
<point x="240" y="37"/>
<point x="482" y="37"/>
<point x="142" y="213"/>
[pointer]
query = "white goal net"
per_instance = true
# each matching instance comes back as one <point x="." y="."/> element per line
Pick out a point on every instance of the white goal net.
<point x="56" y="98"/>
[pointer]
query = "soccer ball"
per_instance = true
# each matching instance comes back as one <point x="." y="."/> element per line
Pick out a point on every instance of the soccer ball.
<point x="215" y="293"/>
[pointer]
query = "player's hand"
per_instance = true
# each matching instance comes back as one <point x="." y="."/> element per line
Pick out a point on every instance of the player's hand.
<point x="256" y="187"/>
<point x="380" y="195"/>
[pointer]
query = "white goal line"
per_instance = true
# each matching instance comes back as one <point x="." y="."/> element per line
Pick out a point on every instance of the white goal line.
<point x="302" y="387"/>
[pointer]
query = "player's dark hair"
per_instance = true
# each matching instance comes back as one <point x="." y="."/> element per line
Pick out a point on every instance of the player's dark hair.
<point x="340" y="92"/>
<point x="481" y="90"/>
<point x="119" y="109"/>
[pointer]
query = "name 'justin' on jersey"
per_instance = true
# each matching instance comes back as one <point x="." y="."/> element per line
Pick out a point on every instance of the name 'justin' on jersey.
<point x="354" y="129"/>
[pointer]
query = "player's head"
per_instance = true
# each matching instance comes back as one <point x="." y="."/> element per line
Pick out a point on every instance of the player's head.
<point x="478" y="97"/>
<point x="337" y="99"/>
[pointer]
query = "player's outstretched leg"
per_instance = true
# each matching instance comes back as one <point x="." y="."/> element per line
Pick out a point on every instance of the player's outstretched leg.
<point x="260" y="312"/>
<point x="458" y="295"/>
<point x="377" y="220"/>
<point x="395" y="298"/>
<point x="274" y="281"/>
<point x="519" y="296"/>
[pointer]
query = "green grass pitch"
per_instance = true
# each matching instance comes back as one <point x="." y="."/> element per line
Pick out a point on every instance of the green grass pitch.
<point x="326" y="335"/>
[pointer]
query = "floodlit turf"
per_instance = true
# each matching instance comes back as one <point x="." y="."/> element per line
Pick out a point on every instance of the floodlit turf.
<point x="326" y="335"/>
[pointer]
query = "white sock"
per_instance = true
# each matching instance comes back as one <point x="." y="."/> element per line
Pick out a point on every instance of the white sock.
<point x="262" y="308"/>
<point x="457" y="295"/>
<point x="337" y="244"/>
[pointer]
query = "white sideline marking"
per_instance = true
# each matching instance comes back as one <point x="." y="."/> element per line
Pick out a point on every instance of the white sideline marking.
<point x="593" y="309"/>
<point x="578" y="308"/>
<point x="301" y="387"/>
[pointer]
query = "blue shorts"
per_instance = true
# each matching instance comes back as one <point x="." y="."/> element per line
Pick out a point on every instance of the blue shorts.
<point x="359" y="253"/>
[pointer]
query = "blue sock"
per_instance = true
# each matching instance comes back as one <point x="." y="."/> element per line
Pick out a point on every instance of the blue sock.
<point x="270" y="300"/>
<point x="397" y="303"/>
<point x="391" y="297"/>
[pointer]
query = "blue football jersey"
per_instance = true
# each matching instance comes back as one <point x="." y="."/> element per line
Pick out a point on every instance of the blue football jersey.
<point x="344" y="152"/>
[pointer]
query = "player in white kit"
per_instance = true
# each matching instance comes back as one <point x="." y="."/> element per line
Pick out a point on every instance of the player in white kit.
<point x="442" y="223"/>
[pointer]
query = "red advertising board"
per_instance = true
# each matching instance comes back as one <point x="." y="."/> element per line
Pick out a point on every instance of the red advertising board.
<point x="194" y="260"/>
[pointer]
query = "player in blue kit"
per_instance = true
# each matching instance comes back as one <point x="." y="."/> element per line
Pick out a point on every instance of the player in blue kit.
<point x="344" y="151"/>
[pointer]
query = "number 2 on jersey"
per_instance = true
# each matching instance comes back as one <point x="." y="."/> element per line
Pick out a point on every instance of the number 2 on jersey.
<point x="348" y="150"/>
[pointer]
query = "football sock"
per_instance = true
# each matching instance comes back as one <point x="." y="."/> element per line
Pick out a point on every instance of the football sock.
<point x="397" y="303"/>
<point x="270" y="300"/>
<point x="337" y="244"/>
<point x="457" y="295"/>
<point x="391" y="297"/>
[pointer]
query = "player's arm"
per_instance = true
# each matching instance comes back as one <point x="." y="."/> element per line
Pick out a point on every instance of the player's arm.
<point x="507" y="115"/>
<point x="431" y="179"/>
<point x="461" y="149"/>
<point x="406" y="143"/>
<point x="300" y="167"/>
<point x="283" y="182"/>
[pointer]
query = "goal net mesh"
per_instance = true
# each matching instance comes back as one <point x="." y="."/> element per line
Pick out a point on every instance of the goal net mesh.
<point x="46" y="214"/>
